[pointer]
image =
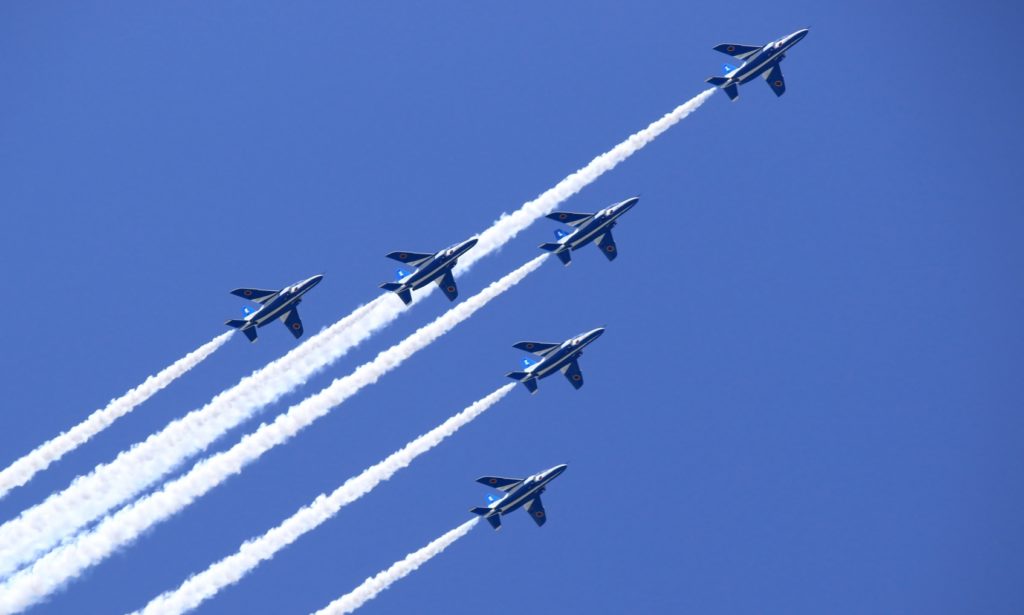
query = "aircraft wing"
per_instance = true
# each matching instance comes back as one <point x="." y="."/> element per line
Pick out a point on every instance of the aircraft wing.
<point x="254" y="294"/>
<point x="607" y="245"/>
<point x="412" y="258"/>
<point x="447" y="284"/>
<point x="738" y="51"/>
<point x="536" y="509"/>
<point x="775" y="80"/>
<point x="292" y="321"/>
<point x="499" y="483"/>
<point x="538" y="348"/>
<point x="573" y="374"/>
<point x="570" y="218"/>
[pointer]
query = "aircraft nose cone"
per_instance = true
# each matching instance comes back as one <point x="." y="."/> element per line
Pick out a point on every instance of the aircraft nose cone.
<point x="313" y="281"/>
<point x="596" y="333"/>
<point x="800" y="34"/>
<point x="629" y="204"/>
<point x="557" y="470"/>
<point x="469" y="243"/>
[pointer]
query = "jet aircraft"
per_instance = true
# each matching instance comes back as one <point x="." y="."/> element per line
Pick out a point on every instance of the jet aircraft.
<point x="519" y="493"/>
<point x="762" y="61"/>
<point x="554" y="357"/>
<point x="589" y="227"/>
<point x="274" y="304"/>
<point x="431" y="267"/>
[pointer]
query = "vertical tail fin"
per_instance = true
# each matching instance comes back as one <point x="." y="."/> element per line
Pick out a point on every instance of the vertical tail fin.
<point x="403" y="293"/>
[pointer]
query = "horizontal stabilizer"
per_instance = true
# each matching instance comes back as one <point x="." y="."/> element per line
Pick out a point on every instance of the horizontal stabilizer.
<point x="403" y="292"/>
<point x="526" y="379"/>
<point x="732" y="92"/>
<point x="550" y="247"/>
<point x="494" y="519"/>
<point x="718" y="81"/>
<point x="249" y="332"/>
<point x="254" y="294"/>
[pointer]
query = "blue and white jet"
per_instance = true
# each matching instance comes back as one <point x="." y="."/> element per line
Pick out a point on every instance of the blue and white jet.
<point x="519" y="493"/>
<point x="431" y="267"/>
<point x="554" y="357"/>
<point x="595" y="228"/>
<point x="274" y="304"/>
<point x="763" y="61"/>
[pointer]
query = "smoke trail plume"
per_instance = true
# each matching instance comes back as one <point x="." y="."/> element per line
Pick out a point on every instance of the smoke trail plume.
<point x="70" y="559"/>
<point x="22" y="470"/>
<point x="230" y="570"/>
<point x="509" y="225"/>
<point x="108" y="485"/>
<point x="39" y="528"/>
<point x="399" y="570"/>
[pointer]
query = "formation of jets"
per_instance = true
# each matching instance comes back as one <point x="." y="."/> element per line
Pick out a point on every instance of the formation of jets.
<point x="596" y="228"/>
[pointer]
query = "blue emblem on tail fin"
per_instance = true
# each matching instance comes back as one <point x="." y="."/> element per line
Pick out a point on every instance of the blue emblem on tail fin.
<point x="527" y="362"/>
<point x="401" y="274"/>
<point x="247" y="310"/>
<point x="491" y="498"/>
<point x="728" y="68"/>
<point x="559" y="233"/>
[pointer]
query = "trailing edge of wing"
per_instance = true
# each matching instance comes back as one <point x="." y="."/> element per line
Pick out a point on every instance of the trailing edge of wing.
<point x="536" y="510"/>
<point x="293" y="322"/>
<point x="254" y="294"/>
<point x="737" y="51"/>
<point x="606" y="243"/>
<point x="412" y="258"/>
<point x="570" y="218"/>
<point x="498" y="482"/>
<point x="538" y="348"/>
<point x="448" y="286"/>
<point x="775" y="80"/>
<point x="573" y="374"/>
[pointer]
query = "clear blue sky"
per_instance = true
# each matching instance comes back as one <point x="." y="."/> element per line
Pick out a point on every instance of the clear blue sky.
<point x="808" y="399"/>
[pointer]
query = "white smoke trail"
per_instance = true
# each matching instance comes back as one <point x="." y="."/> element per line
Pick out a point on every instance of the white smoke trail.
<point x="55" y="568"/>
<point x="108" y="485"/>
<point x="399" y="570"/>
<point x="22" y="470"/>
<point x="230" y="570"/>
<point x="509" y="225"/>
<point x="39" y="528"/>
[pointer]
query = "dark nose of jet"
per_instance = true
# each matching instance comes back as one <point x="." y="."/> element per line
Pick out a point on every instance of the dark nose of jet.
<point x="313" y="281"/>
<point x="557" y="470"/>
<point x="799" y="35"/>
<point x="465" y="246"/>
<point x="590" y="336"/>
